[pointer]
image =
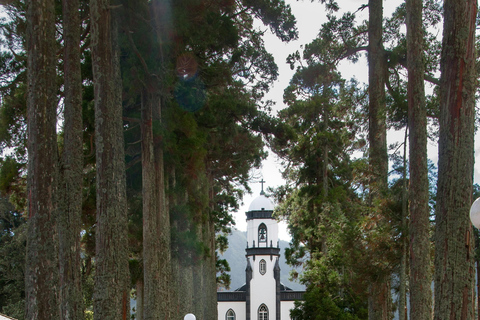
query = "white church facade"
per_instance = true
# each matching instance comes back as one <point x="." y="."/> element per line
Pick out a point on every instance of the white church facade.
<point x="262" y="297"/>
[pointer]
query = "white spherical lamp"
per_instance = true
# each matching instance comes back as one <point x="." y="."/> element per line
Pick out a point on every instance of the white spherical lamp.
<point x="475" y="213"/>
<point x="189" y="316"/>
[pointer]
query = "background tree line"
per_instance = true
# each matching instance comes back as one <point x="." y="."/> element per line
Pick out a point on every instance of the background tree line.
<point x="140" y="121"/>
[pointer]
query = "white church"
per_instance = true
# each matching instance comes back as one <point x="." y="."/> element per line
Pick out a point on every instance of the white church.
<point x="262" y="297"/>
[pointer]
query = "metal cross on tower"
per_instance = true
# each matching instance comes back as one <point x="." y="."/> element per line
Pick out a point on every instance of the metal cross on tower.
<point x="262" y="182"/>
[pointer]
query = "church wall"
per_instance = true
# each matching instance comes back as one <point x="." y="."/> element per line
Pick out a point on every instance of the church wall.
<point x="272" y="232"/>
<point x="240" y="314"/>
<point x="238" y="307"/>
<point x="285" y="307"/>
<point x="262" y="287"/>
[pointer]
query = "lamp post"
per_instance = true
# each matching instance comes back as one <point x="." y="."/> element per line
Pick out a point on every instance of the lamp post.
<point x="475" y="213"/>
<point x="189" y="316"/>
<point x="475" y="218"/>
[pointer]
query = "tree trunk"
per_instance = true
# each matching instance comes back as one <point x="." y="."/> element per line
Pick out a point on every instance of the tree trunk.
<point x="204" y="272"/>
<point x="377" y="70"/>
<point x="478" y="291"/>
<point x="151" y="243"/>
<point x="166" y="301"/>
<point x="185" y="285"/>
<point x="111" y="294"/>
<point x="210" y="271"/>
<point x="379" y="293"/>
<point x="182" y="257"/>
<point x="69" y="223"/>
<point x="454" y="260"/>
<point x="199" y="279"/>
<point x="379" y="300"/>
<point x="140" y="303"/>
<point x="156" y="231"/>
<point x="41" y="273"/>
<point x="163" y="227"/>
<point x="326" y="161"/>
<point x="402" y="290"/>
<point x="420" y="277"/>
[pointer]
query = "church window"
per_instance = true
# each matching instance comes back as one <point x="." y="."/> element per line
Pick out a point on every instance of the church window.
<point x="230" y="315"/>
<point x="263" y="312"/>
<point x="263" y="267"/>
<point x="262" y="233"/>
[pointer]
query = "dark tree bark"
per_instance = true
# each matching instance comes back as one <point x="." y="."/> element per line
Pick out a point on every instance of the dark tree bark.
<point x="151" y="241"/>
<point x="163" y="226"/>
<point x="111" y="294"/>
<point x="199" y="280"/>
<point x="139" y="311"/>
<point x="158" y="297"/>
<point x="377" y="71"/>
<point x="420" y="265"/>
<point x="454" y="260"/>
<point x="41" y="274"/>
<point x="478" y="290"/>
<point x="182" y="257"/>
<point x="158" y="301"/>
<point x="210" y="270"/>
<point x="379" y="299"/>
<point x="402" y="290"/>
<point x="70" y="203"/>
<point x="379" y="291"/>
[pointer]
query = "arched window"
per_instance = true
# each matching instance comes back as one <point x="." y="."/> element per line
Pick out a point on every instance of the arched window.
<point x="262" y="233"/>
<point x="230" y="315"/>
<point x="262" y="267"/>
<point x="263" y="312"/>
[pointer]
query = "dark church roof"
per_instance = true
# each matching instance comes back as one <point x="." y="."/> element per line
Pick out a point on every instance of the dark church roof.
<point x="282" y="288"/>
<point x="286" y="294"/>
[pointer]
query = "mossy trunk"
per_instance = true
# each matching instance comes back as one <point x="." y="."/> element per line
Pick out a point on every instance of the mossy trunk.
<point x="182" y="256"/>
<point x="199" y="280"/>
<point x="210" y="271"/>
<point x="158" y="290"/>
<point x="70" y="203"/>
<point x="477" y="309"/>
<point x="41" y="272"/>
<point x="112" y="284"/>
<point x="402" y="289"/>
<point x="139" y="310"/>
<point x="420" y="246"/>
<point x="379" y="292"/>
<point x="379" y="299"/>
<point x="377" y="131"/>
<point x="454" y="260"/>
<point x="151" y="242"/>
<point x="183" y="283"/>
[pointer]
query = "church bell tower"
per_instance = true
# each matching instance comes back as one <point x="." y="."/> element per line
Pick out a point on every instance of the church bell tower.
<point x="262" y="253"/>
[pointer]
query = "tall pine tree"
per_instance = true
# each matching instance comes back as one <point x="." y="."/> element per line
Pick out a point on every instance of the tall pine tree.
<point x="112" y="285"/>
<point x="41" y="274"/>
<point x="454" y="260"/>
<point x="420" y="246"/>
<point x="70" y="189"/>
<point x="379" y="289"/>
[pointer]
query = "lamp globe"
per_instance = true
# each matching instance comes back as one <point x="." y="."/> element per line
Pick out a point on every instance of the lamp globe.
<point x="189" y="316"/>
<point x="475" y="213"/>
